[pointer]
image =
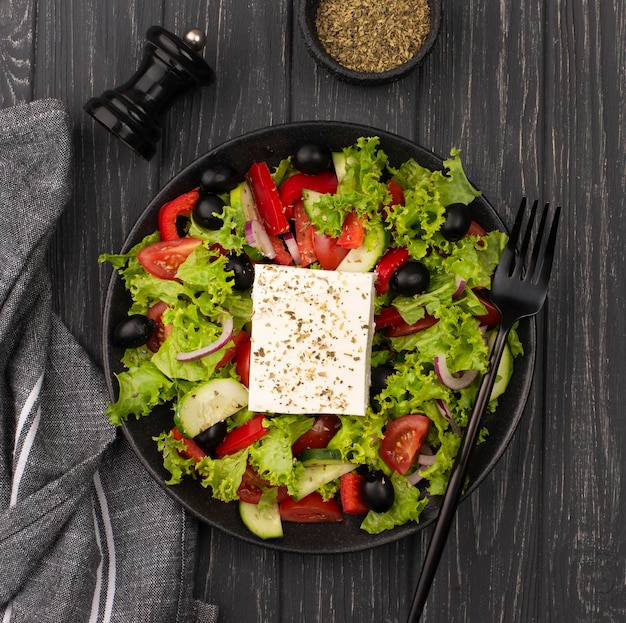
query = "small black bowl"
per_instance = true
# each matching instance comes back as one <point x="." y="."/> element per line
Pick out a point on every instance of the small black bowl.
<point x="306" y="18"/>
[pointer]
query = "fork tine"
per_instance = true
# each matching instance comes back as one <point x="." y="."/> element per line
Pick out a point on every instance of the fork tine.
<point x="522" y="267"/>
<point x="532" y="267"/>
<point x="507" y="260"/>
<point x="546" y="263"/>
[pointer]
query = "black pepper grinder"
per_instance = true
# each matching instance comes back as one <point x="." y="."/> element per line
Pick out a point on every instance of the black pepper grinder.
<point x="170" y="67"/>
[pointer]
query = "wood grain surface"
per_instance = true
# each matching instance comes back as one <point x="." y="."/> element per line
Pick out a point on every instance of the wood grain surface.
<point x="534" y="95"/>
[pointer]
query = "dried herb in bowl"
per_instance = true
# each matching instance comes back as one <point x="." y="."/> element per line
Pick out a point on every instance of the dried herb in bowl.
<point x="373" y="36"/>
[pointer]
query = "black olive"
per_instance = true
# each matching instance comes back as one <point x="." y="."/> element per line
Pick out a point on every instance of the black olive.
<point x="411" y="278"/>
<point x="219" y="178"/>
<point x="378" y="491"/>
<point x="457" y="223"/>
<point x="133" y="331"/>
<point x="312" y="158"/>
<point x="243" y="269"/>
<point x="211" y="437"/>
<point x="208" y="210"/>
<point x="378" y="380"/>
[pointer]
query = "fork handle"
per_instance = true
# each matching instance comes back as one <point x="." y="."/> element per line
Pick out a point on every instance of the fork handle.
<point x="457" y="480"/>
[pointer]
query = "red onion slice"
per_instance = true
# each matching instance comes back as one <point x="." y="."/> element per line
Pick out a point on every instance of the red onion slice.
<point x="415" y="477"/>
<point x="460" y="286"/>
<point x="453" y="381"/>
<point x="426" y="459"/>
<point x="445" y="411"/>
<point x="220" y="342"/>
<point x="257" y="237"/>
<point x="292" y="247"/>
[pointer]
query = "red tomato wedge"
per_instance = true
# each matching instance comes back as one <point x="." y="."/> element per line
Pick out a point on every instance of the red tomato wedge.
<point x="328" y="252"/>
<point x="311" y="509"/>
<point x="161" y="331"/>
<point x="283" y="256"/>
<point x="267" y="199"/>
<point x="291" y="189"/>
<point x="162" y="259"/>
<point x="169" y="213"/>
<point x="242" y="437"/>
<point x="492" y="317"/>
<point x="397" y="193"/>
<point x="239" y="341"/>
<point x="476" y="230"/>
<point x="387" y="265"/>
<point x="192" y="449"/>
<point x="352" y="232"/>
<point x="402" y="441"/>
<point x="324" y="428"/>
<point x="304" y="231"/>
<point x="351" y="494"/>
<point x="242" y="359"/>
<point x="252" y="486"/>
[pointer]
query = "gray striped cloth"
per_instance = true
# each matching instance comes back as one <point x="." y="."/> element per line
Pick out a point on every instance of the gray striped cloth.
<point x="85" y="533"/>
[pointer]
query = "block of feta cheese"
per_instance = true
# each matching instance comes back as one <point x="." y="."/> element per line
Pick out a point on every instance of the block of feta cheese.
<point x="311" y="341"/>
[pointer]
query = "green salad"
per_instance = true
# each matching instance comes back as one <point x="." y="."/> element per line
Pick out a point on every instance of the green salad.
<point x="189" y="336"/>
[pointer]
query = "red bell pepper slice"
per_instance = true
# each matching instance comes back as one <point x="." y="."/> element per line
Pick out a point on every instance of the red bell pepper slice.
<point x="242" y="437"/>
<point x="311" y="509"/>
<point x="352" y="232"/>
<point x="387" y="265"/>
<point x="291" y="189"/>
<point x="304" y="232"/>
<point x="351" y="494"/>
<point x="192" y="449"/>
<point x="267" y="199"/>
<point x="169" y="212"/>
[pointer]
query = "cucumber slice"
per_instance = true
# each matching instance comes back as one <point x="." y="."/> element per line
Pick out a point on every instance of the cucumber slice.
<point x="339" y="162"/>
<point x="262" y="522"/>
<point x="505" y="372"/>
<point x="364" y="258"/>
<point x="310" y="199"/>
<point x="208" y="404"/>
<point x="320" y="456"/>
<point x="318" y="475"/>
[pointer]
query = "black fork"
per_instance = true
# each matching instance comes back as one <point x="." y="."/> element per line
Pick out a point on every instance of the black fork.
<point x="518" y="290"/>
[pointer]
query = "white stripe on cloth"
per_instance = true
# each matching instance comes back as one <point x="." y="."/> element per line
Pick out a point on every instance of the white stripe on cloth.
<point x="24" y="454"/>
<point x="110" y="545"/>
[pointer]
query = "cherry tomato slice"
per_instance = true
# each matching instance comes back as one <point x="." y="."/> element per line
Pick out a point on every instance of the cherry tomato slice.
<point x="169" y="213"/>
<point x="387" y="265"/>
<point x="311" y="509"/>
<point x="324" y="428"/>
<point x="352" y="232"/>
<point x="161" y="331"/>
<point x="192" y="449"/>
<point x="291" y="189"/>
<point x="304" y="231"/>
<point x="252" y="487"/>
<point x="162" y="259"/>
<point x="350" y="490"/>
<point x="492" y="317"/>
<point x="328" y="252"/>
<point x="402" y="441"/>
<point x="242" y="437"/>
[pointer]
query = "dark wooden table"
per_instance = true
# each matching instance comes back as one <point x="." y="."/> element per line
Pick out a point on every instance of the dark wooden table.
<point x="534" y="94"/>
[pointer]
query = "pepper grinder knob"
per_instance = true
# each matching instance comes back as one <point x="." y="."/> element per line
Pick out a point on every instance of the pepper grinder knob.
<point x="170" y="67"/>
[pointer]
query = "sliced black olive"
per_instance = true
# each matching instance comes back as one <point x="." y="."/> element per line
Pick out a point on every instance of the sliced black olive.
<point x="410" y="279"/>
<point x="208" y="210"/>
<point x="133" y="331"/>
<point x="219" y="178"/>
<point x="312" y="158"/>
<point x="457" y="223"/>
<point x="212" y="437"/>
<point x="378" y="491"/>
<point x="378" y="381"/>
<point x="243" y="269"/>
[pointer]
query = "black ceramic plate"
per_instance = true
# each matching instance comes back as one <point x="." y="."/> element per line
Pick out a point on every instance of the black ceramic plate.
<point x="271" y="145"/>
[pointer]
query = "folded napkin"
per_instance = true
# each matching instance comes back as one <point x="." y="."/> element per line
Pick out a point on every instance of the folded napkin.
<point x="85" y="533"/>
